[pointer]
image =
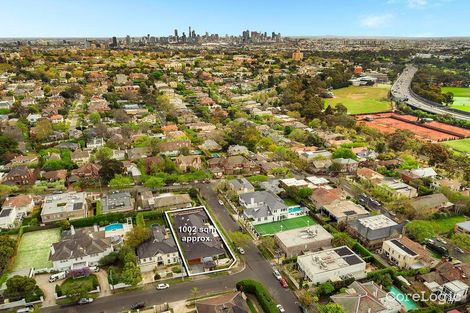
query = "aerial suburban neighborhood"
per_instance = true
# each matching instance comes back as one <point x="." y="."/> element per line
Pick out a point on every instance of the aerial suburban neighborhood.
<point x="246" y="173"/>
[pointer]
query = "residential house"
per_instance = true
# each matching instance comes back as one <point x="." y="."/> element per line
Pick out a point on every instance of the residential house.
<point x="210" y="145"/>
<point x="64" y="206"/>
<point x="407" y="254"/>
<point x="397" y="189"/>
<point x="89" y="171"/>
<point x="172" y="201"/>
<point x="10" y="218"/>
<point x="346" y="165"/>
<point x="57" y="175"/>
<point x="331" y="265"/>
<point x="261" y="207"/>
<point x="21" y="203"/>
<point x="80" y="157"/>
<point x="188" y="162"/>
<point x="373" y="230"/>
<point x="95" y="143"/>
<point x="80" y="248"/>
<point x="227" y="303"/>
<point x="301" y="240"/>
<point x="117" y="201"/>
<point x="463" y="227"/>
<point x="20" y="175"/>
<point x="173" y="148"/>
<point x="240" y="186"/>
<point x="431" y="203"/>
<point x="343" y="211"/>
<point x="366" y="297"/>
<point x="322" y="196"/>
<point x="369" y="175"/>
<point x="159" y="250"/>
<point x="237" y="150"/>
<point x="232" y="165"/>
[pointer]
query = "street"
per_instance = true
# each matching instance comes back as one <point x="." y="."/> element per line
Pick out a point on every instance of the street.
<point x="257" y="268"/>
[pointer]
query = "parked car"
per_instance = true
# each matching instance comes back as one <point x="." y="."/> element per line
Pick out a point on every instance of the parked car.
<point x="138" y="305"/>
<point x="276" y="274"/>
<point x="57" y="276"/>
<point x="302" y="309"/>
<point x="94" y="269"/>
<point x="283" y="283"/>
<point x="280" y="308"/>
<point x="460" y="250"/>
<point x="221" y="202"/>
<point x="241" y="250"/>
<point x="24" y="310"/>
<point x="163" y="286"/>
<point x="85" y="300"/>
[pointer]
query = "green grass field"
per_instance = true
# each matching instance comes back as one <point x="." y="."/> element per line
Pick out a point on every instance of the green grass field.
<point x="362" y="99"/>
<point x="422" y="229"/>
<point x="461" y="97"/>
<point x="35" y="247"/>
<point x="458" y="92"/>
<point x="292" y="223"/>
<point x="461" y="145"/>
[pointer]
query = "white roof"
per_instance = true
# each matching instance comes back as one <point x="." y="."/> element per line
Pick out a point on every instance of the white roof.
<point x="377" y="222"/>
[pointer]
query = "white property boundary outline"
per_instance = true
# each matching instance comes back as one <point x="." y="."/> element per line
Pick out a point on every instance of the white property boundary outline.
<point x="180" y="249"/>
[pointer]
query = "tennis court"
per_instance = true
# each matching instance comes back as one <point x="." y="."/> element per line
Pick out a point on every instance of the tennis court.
<point x="292" y="223"/>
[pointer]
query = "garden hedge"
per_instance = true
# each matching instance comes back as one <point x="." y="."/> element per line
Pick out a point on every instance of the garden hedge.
<point x="262" y="295"/>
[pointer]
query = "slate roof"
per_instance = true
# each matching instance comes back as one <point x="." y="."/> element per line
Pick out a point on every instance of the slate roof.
<point x="228" y="303"/>
<point x="268" y="202"/>
<point x="158" y="243"/>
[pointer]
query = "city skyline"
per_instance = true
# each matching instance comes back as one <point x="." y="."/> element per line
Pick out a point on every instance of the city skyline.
<point x="391" y="18"/>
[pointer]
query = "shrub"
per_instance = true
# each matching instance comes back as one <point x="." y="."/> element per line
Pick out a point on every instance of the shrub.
<point x="157" y="276"/>
<point x="262" y="295"/>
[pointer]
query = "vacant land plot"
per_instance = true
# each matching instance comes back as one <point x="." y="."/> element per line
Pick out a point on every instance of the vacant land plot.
<point x="34" y="249"/>
<point x="462" y="145"/>
<point x="362" y="99"/>
<point x="292" y="223"/>
<point x="423" y="229"/>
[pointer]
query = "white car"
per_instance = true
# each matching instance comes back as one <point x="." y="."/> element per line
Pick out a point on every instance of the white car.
<point x="277" y="274"/>
<point x="85" y="300"/>
<point x="94" y="269"/>
<point x="241" y="250"/>
<point x="280" y="308"/>
<point x="221" y="202"/>
<point x="163" y="286"/>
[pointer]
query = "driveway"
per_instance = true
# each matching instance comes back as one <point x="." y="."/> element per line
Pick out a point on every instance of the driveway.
<point x="102" y="276"/>
<point x="48" y="288"/>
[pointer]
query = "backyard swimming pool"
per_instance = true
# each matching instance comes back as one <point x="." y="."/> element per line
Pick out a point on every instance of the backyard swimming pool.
<point x="405" y="301"/>
<point x="114" y="227"/>
<point x="296" y="209"/>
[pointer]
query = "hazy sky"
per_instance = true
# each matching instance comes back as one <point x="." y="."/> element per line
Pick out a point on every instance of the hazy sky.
<point x="105" y="18"/>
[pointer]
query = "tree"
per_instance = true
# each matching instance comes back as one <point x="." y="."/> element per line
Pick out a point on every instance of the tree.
<point x="7" y="249"/>
<point x="342" y="239"/>
<point x="331" y="308"/>
<point x="131" y="274"/>
<point x="7" y="145"/>
<point x="304" y="193"/>
<point x="398" y="140"/>
<point x="154" y="182"/>
<point x="110" y="168"/>
<point x="120" y="181"/>
<point x="305" y="298"/>
<point x="104" y="154"/>
<point x="76" y="290"/>
<point x="194" y="293"/>
<point x="20" y="287"/>
<point x="95" y="118"/>
<point x="341" y="109"/>
<point x="325" y="289"/>
<point x="437" y="154"/>
<point x="137" y="235"/>
<point x="345" y="153"/>
<point x="42" y="130"/>
<point x="240" y="239"/>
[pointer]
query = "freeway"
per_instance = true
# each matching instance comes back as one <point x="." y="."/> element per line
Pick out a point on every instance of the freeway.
<point x="401" y="90"/>
<point x="257" y="267"/>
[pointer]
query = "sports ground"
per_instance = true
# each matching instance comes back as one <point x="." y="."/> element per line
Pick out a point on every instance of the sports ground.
<point x="362" y="99"/>
<point x="35" y="247"/>
<point x="292" y="223"/>
<point x="461" y="97"/>
<point x="462" y="145"/>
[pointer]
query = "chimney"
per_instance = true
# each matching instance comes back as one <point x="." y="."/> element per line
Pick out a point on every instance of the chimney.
<point x="72" y="230"/>
<point x="95" y="228"/>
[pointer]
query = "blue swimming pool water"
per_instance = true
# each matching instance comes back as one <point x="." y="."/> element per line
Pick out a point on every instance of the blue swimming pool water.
<point x="113" y="227"/>
<point x="295" y="209"/>
<point x="406" y="302"/>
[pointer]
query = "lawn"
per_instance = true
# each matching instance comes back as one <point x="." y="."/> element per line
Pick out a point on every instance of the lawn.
<point x="362" y="99"/>
<point x="292" y="223"/>
<point x="458" y="92"/>
<point x="34" y="248"/>
<point x="461" y="97"/>
<point x="462" y="145"/>
<point x="423" y="229"/>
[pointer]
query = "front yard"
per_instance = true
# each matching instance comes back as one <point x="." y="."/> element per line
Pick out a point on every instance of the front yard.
<point x="34" y="248"/>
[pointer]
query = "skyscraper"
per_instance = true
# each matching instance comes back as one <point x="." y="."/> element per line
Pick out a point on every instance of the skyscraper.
<point x="189" y="33"/>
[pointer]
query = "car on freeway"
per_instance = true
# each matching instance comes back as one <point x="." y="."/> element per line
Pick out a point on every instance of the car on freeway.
<point x="280" y="308"/>
<point x="138" y="305"/>
<point x="85" y="301"/>
<point x="163" y="286"/>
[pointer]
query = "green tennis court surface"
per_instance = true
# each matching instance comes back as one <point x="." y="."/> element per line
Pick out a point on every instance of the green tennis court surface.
<point x="292" y="223"/>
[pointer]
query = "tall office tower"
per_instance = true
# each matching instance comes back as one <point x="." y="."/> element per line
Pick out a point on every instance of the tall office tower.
<point x="273" y="35"/>
<point x="189" y="34"/>
<point x="176" y="34"/>
<point x="114" y="43"/>
<point x="193" y="35"/>
<point x="128" y="40"/>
